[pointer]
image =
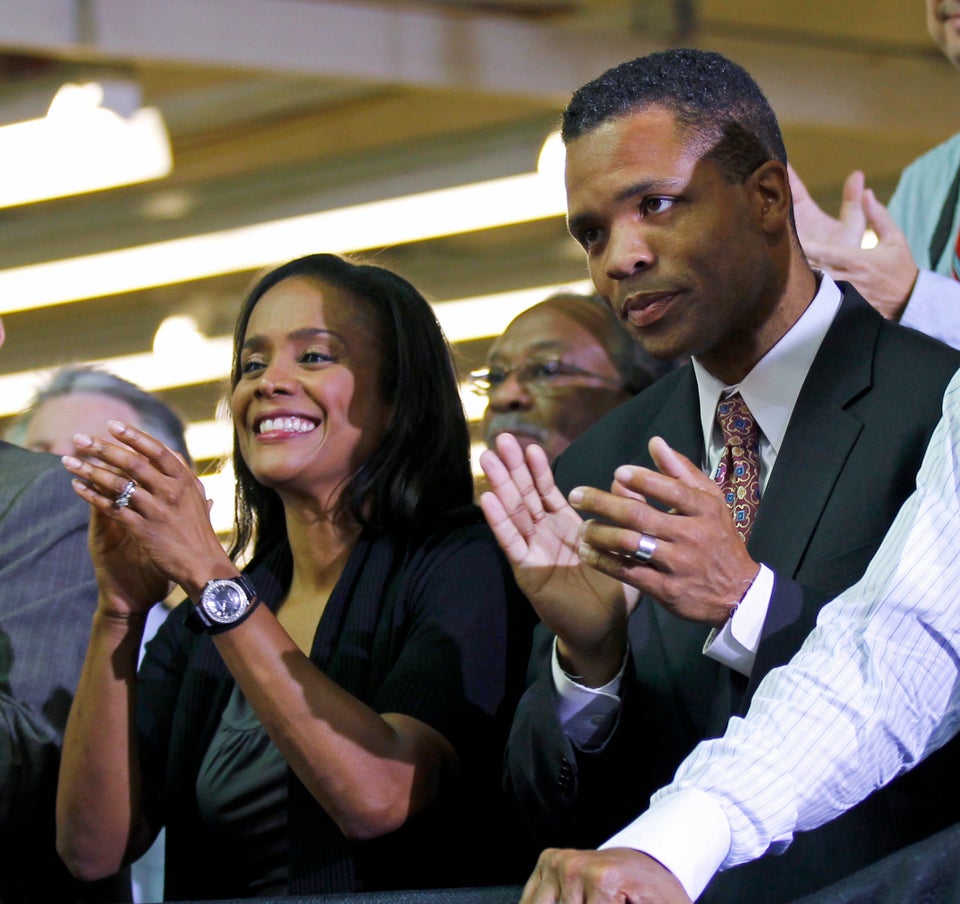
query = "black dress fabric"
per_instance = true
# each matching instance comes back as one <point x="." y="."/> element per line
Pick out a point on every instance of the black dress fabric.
<point x="431" y="626"/>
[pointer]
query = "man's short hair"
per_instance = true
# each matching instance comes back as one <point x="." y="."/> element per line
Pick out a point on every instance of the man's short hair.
<point x="154" y="417"/>
<point x="711" y="97"/>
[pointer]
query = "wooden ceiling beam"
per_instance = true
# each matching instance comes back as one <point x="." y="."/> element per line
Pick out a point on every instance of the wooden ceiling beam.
<point x="393" y="44"/>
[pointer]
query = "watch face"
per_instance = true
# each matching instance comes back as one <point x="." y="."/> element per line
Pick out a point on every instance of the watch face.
<point x="224" y="601"/>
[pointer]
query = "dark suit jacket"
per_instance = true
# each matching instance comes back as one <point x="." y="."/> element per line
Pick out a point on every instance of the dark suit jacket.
<point x="47" y="598"/>
<point x="848" y="460"/>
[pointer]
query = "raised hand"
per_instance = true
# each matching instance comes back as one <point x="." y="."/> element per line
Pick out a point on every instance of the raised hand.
<point x="885" y="274"/>
<point x="612" y="876"/>
<point x="539" y="532"/>
<point x="816" y="227"/>
<point x="700" y="568"/>
<point x="156" y="531"/>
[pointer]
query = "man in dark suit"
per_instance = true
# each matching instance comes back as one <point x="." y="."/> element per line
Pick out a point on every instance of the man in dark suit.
<point x="47" y="598"/>
<point x="658" y="619"/>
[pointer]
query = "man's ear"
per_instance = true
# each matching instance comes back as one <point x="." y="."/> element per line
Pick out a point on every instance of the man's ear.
<point x="771" y="193"/>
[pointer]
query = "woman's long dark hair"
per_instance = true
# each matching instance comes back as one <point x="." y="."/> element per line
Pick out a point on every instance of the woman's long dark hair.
<point x="422" y="467"/>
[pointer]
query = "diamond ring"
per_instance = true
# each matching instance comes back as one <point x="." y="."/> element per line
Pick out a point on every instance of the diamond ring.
<point x="126" y="494"/>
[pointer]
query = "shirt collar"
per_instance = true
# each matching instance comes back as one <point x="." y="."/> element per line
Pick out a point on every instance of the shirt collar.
<point x="771" y="389"/>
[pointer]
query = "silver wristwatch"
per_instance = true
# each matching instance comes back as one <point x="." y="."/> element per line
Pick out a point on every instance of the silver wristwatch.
<point x="224" y="604"/>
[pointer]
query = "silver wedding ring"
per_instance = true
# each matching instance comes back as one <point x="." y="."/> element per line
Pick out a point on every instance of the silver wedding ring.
<point x="126" y="494"/>
<point x="646" y="547"/>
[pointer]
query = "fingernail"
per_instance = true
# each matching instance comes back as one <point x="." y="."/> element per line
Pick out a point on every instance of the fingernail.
<point x="116" y="426"/>
<point x="68" y="461"/>
<point x="623" y="473"/>
<point x="82" y="439"/>
<point x="583" y="551"/>
<point x="576" y="496"/>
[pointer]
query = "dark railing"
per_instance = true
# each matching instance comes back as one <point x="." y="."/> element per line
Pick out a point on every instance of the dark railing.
<point x="925" y="873"/>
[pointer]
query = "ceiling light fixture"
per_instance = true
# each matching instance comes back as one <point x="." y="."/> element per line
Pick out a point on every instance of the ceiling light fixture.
<point x="552" y="161"/>
<point x="178" y="338"/>
<point x="410" y="218"/>
<point x="94" y="136"/>
<point x="208" y="360"/>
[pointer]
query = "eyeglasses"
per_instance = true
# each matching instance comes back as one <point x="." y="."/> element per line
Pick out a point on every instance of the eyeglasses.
<point x="538" y="376"/>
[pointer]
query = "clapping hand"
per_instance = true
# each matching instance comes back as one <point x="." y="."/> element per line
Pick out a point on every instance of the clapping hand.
<point x="884" y="274"/>
<point x="693" y="561"/>
<point x="151" y="520"/>
<point x="540" y="533"/>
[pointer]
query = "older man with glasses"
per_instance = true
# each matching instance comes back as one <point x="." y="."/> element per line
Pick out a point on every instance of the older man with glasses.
<point x="557" y="369"/>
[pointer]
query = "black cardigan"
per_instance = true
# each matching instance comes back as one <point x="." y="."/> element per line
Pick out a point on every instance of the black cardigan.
<point x="432" y="627"/>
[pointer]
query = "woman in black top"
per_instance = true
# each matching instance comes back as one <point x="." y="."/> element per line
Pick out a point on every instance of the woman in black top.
<point x="332" y="720"/>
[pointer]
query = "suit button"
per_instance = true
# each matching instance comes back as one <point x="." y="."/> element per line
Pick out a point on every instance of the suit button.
<point x="565" y="779"/>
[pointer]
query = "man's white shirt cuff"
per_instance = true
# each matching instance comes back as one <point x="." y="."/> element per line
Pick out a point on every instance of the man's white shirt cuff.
<point x="735" y="644"/>
<point x="932" y="307"/>
<point x="686" y="831"/>
<point x="586" y="714"/>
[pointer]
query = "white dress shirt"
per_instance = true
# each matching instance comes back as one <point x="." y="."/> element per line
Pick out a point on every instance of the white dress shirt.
<point x="874" y="688"/>
<point x="770" y="391"/>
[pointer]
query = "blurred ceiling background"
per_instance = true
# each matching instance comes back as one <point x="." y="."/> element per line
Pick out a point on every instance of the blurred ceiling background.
<point x="282" y="108"/>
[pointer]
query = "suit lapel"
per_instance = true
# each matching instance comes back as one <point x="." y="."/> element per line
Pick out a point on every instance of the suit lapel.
<point x="819" y="438"/>
<point x="678" y="422"/>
